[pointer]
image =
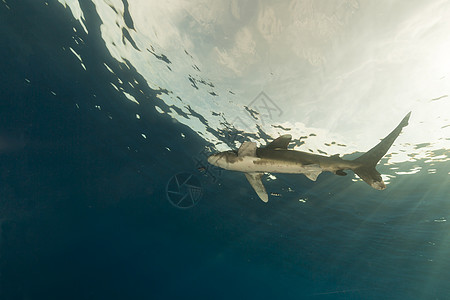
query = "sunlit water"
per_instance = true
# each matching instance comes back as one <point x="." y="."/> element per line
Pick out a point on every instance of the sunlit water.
<point x="106" y="100"/>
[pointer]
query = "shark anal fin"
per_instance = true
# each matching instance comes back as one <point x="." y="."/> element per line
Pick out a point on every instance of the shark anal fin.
<point x="247" y="149"/>
<point x="312" y="171"/>
<point x="256" y="183"/>
<point x="280" y="143"/>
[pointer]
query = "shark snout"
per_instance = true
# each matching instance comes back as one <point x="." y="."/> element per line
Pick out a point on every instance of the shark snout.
<point x="213" y="159"/>
<point x="222" y="159"/>
<point x="218" y="160"/>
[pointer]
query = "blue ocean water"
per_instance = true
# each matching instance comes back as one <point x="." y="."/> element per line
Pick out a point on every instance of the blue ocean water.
<point x="84" y="211"/>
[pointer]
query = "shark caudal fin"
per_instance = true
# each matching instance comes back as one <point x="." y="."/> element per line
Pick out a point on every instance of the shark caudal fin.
<point x="368" y="161"/>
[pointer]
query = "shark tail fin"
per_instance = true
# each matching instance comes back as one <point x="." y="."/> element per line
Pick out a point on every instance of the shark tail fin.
<point x="368" y="161"/>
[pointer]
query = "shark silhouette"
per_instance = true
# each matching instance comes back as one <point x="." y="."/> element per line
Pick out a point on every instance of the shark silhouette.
<point x="276" y="158"/>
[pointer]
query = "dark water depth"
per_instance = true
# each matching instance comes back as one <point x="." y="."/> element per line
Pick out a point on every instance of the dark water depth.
<point x="84" y="212"/>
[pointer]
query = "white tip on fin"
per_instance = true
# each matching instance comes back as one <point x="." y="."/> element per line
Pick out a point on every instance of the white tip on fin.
<point x="256" y="183"/>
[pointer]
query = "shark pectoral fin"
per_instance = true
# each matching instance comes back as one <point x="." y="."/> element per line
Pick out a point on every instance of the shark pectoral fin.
<point x="247" y="149"/>
<point x="256" y="183"/>
<point x="312" y="171"/>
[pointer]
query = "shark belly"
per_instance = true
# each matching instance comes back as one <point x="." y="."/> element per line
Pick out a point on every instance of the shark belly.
<point x="250" y="164"/>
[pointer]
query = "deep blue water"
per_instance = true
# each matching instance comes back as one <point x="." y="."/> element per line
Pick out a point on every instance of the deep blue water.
<point x="84" y="213"/>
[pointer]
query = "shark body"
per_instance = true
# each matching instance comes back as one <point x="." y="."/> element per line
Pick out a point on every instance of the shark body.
<point x="276" y="158"/>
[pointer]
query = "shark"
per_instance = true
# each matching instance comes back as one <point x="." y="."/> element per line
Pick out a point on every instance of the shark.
<point x="275" y="157"/>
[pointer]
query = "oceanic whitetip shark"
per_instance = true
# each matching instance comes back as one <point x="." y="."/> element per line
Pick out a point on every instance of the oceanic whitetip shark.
<point x="276" y="158"/>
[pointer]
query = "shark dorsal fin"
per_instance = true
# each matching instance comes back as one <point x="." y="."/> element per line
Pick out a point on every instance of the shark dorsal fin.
<point x="280" y="143"/>
<point x="247" y="149"/>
